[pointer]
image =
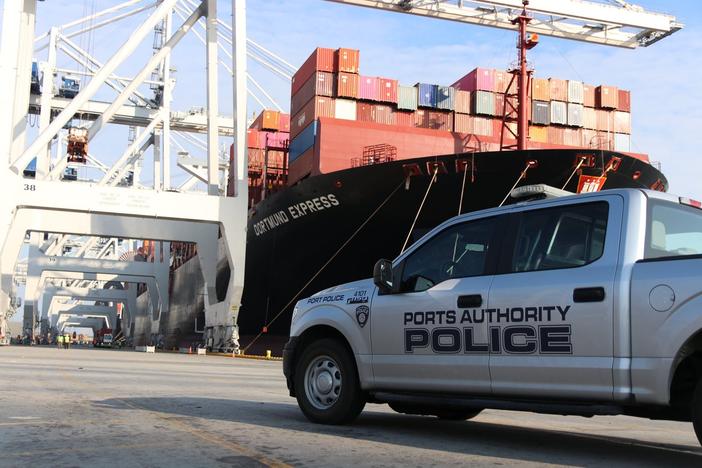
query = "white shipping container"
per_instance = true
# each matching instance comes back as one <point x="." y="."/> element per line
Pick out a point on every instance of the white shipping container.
<point x="345" y="109"/>
<point x="622" y="142"/>
<point x="576" y="92"/>
<point x="622" y="122"/>
<point x="575" y="115"/>
<point x="559" y="113"/>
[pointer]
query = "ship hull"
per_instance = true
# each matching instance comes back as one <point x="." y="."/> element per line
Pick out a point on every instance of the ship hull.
<point x="332" y="228"/>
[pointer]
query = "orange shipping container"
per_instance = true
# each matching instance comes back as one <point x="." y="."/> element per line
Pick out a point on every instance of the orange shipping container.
<point x="540" y="89"/>
<point x="404" y="118"/>
<point x="558" y="89"/>
<point x="605" y="120"/>
<point x="347" y="60"/>
<point x="347" y="85"/>
<point x="572" y="137"/>
<point x="463" y="123"/>
<point x="590" y="118"/>
<point x="624" y="103"/>
<point x="462" y="102"/>
<point x="436" y="120"/>
<point x="539" y="134"/>
<point x="317" y="107"/>
<point x="320" y="60"/>
<point x="555" y="135"/>
<point x="589" y="95"/>
<point x="502" y="79"/>
<point x="267" y="120"/>
<point x="284" y="122"/>
<point x="607" y="97"/>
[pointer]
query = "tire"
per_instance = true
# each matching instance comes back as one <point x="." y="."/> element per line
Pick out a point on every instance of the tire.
<point x="697" y="411"/>
<point x="445" y="414"/>
<point x="327" y="384"/>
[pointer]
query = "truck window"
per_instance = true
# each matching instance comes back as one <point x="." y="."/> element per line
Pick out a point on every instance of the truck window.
<point x="459" y="251"/>
<point x="673" y="230"/>
<point x="562" y="237"/>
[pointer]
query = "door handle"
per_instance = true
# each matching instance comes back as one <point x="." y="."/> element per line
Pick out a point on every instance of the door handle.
<point x="589" y="294"/>
<point x="470" y="300"/>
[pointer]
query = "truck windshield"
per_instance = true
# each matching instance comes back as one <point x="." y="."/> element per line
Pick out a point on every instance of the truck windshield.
<point x="673" y="230"/>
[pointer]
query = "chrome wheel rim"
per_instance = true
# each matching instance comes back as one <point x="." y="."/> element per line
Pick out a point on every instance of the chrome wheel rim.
<point x="322" y="382"/>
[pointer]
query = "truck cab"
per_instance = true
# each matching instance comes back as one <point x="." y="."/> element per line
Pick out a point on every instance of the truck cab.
<point x="586" y="304"/>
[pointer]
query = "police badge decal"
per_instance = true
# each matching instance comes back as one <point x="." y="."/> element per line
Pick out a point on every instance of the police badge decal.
<point x="362" y="315"/>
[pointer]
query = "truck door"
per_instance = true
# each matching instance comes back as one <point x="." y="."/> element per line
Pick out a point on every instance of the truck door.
<point x="429" y="334"/>
<point x="551" y="313"/>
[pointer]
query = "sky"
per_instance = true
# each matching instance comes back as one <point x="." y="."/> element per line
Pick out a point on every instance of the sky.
<point x="664" y="78"/>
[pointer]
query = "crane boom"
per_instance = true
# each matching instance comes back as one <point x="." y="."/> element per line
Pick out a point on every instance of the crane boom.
<point x="579" y="20"/>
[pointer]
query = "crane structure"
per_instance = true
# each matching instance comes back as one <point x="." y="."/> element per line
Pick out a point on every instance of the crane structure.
<point x="73" y="229"/>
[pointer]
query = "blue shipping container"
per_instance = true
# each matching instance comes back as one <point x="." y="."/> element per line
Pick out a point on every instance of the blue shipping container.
<point x="303" y="141"/>
<point x="427" y="94"/>
<point x="445" y="97"/>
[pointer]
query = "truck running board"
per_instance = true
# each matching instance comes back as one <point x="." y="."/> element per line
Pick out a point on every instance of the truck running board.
<point x="563" y="408"/>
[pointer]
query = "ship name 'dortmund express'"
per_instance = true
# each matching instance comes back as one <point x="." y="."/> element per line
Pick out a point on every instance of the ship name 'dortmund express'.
<point x="298" y="210"/>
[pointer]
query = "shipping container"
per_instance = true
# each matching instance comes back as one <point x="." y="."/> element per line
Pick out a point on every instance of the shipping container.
<point x="347" y="60"/>
<point x="378" y="113"/>
<point x="624" y="100"/>
<point x="590" y="138"/>
<point x="604" y="140"/>
<point x="541" y="113"/>
<point x="387" y="90"/>
<point x="319" y="84"/>
<point x="347" y="85"/>
<point x="368" y="88"/>
<point x="575" y="115"/>
<point x="502" y="80"/>
<point x="302" y="166"/>
<point x="555" y="135"/>
<point x="559" y="113"/>
<point x="589" y="95"/>
<point x="540" y="89"/>
<point x="321" y="59"/>
<point x="462" y="102"/>
<point x="622" y="122"/>
<point x="482" y="102"/>
<point x="407" y="97"/>
<point x="606" y="97"/>
<point x="463" y="123"/>
<point x="445" y="97"/>
<point x="480" y="79"/>
<point x="267" y="120"/>
<point x="364" y="111"/>
<point x="277" y="140"/>
<point x="284" y="122"/>
<point x="404" y="118"/>
<point x="572" y="137"/>
<point x="302" y="142"/>
<point x="482" y="126"/>
<point x="590" y="118"/>
<point x="575" y="92"/>
<point x="426" y="94"/>
<point x="539" y="134"/>
<point x="622" y="142"/>
<point x="605" y="120"/>
<point x="345" y="109"/>
<point x="317" y="107"/>
<point x="254" y="138"/>
<point x="558" y="89"/>
<point x="509" y="129"/>
<point x="435" y="120"/>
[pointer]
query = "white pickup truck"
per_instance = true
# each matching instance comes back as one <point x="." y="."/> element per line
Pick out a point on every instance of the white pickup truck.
<point x="586" y="304"/>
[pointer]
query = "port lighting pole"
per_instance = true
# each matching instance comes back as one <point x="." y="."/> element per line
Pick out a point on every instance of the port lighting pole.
<point x="524" y="43"/>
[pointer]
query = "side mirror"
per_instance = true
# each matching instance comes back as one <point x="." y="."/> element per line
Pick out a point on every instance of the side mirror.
<point x="382" y="276"/>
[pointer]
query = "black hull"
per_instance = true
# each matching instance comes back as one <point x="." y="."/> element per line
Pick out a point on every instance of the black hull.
<point x="281" y="259"/>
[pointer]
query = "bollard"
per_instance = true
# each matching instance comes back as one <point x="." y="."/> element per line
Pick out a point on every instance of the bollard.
<point x="268" y="354"/>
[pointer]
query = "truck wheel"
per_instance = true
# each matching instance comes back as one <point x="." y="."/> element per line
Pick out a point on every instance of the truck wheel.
<point x="697" y="411"/>
<point x="327" y="385"/>
<point x="441" y="413"/>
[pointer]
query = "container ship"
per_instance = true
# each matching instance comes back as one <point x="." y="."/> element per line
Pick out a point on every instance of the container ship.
<point x="363" y="166"/>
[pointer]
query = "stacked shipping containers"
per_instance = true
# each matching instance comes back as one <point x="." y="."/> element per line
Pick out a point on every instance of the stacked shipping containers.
<point x="328" y="88"/>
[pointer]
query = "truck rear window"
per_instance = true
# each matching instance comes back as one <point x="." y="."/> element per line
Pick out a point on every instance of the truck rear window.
<point x="673" y="230"/>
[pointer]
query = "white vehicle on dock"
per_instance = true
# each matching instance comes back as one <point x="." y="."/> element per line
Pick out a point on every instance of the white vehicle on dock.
<point x="588" y="304"/>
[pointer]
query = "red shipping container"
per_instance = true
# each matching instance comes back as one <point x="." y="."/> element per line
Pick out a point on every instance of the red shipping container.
<point x="540" y="89"/>
<point x="302" y="166"/>
<point x="433" y="119"/>
<point x="605" y="120"/>
<point x="404" y="118"/>
<point x="589" y="95"/>
<point x="319" y="84"/>
<point x="284" y="122"/>
<point x="510" y="129"/>
<point x="347" y="85"/>
<point x="624" y="99"/>
<point x="502" y="79"/>
<point x="387" y="90"/>
<point x="462" y="102"/>
<point x="555" y="135"/>
<point x="607" y="97"/>
<point x="254" y="139"/>
<point x="267" y="120"/>
<point x="480" y="79"/>
<point x="368" y="88"/>
<point x="364" y="111"/>
<point x="347" y="60"/>
<point x="383" y="114"/>
<point x="558" y="89"/>
<point x="463" y="123"/>
<point x="320" y="60"/>
<point x="317" y="107"/>
<point x="499" y="104"/>
<point x="572" y="137"/>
